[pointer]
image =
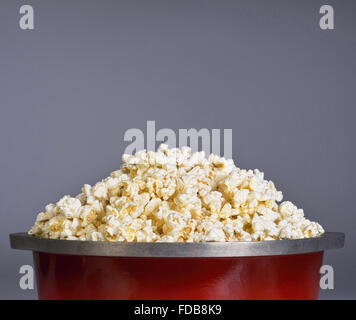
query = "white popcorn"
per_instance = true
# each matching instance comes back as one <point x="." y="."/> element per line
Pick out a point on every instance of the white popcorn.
<point x="174" y="224"/>
<point x="100" y="190"/>
<point x="174" y="195"/>
<point x="239" y="197"/>
<point x="215" y="234"/>
<point x="69" y="207"/>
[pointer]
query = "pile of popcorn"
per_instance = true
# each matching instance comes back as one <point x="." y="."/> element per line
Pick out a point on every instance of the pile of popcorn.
<point x="174" y="195"/>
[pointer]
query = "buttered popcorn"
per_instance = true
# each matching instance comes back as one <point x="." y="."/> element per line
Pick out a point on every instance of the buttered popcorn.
<point x="174" y="195"/>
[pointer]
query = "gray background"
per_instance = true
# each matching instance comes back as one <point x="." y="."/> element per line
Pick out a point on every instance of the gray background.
<point x="93" y="69"/>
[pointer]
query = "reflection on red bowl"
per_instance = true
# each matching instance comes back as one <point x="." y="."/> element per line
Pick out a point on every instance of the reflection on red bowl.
<point x="62" y="276"/>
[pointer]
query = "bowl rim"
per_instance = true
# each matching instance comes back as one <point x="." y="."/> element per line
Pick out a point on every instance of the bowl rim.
<point x="327" y="241"/>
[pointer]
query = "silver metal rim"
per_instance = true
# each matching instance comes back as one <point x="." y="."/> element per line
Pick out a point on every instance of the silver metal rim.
<point x="329" y="240"/>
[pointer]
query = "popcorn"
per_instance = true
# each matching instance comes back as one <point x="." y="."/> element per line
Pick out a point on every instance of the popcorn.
<point x="174" y="195"/>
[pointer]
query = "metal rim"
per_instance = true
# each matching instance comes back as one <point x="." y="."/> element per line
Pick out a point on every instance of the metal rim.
<point x="329" y="240"/>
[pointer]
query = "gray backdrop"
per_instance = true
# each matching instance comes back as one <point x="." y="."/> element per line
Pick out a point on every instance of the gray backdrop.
<point x="93" y="69"/>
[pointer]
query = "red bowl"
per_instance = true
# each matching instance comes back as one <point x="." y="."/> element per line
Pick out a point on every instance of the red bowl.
<point x="91" y="277"/>
<point x="279" y="269"/>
